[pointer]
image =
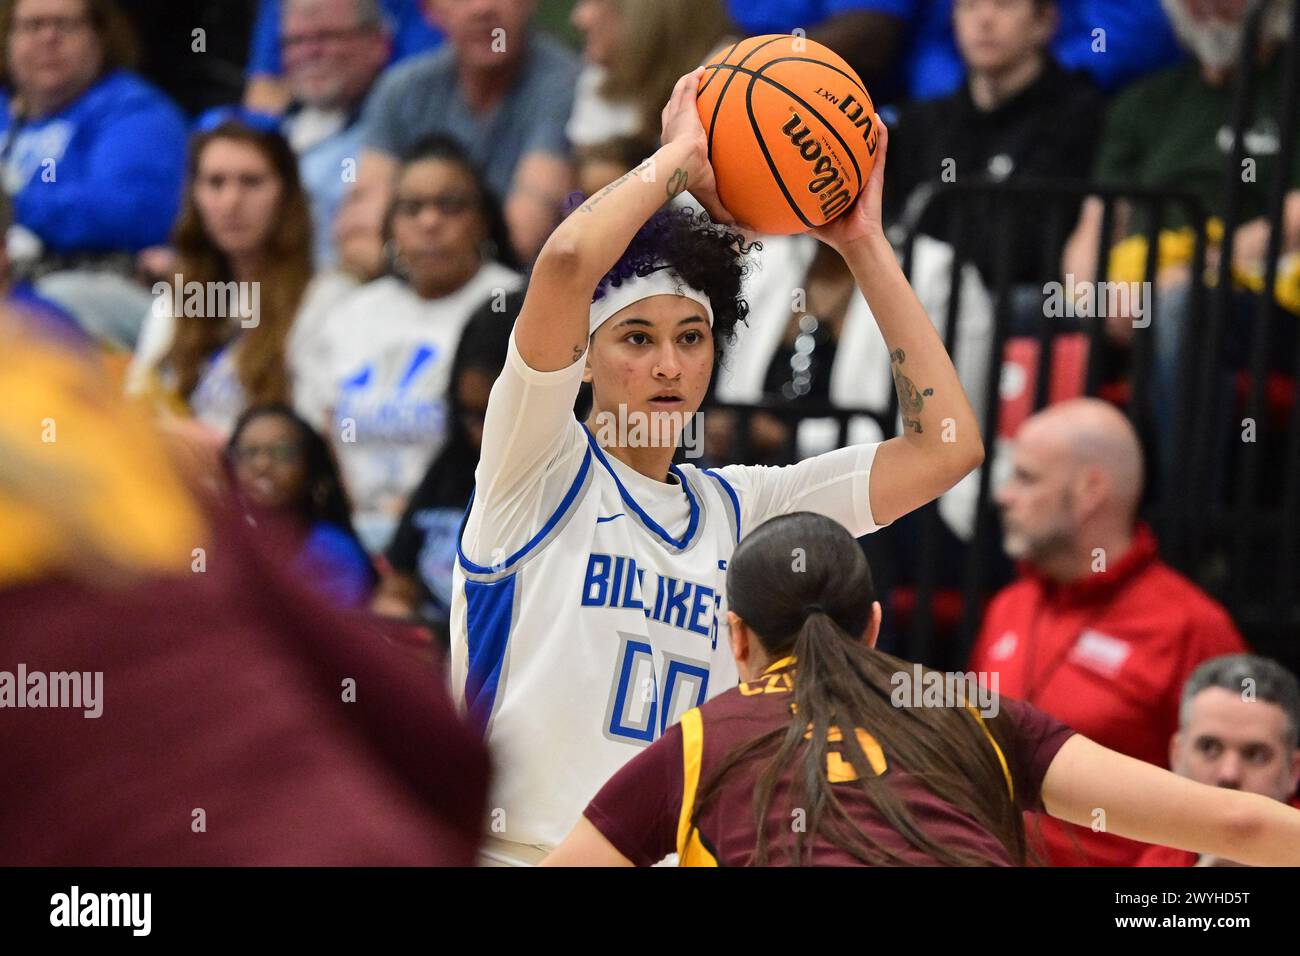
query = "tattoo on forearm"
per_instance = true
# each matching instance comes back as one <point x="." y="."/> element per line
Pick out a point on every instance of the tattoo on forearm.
<point x="911" y="400"/>
<point x="591" y="203"/>
<point x="677" y="183"/>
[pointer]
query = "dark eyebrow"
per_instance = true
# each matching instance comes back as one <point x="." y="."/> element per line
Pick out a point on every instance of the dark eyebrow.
<point x="646" y="322"/>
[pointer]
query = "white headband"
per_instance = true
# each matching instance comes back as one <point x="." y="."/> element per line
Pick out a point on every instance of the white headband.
<point x="663" y="281"/>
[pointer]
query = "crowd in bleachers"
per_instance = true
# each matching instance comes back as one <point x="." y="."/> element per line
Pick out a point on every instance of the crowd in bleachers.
<point x="312" y="286"/>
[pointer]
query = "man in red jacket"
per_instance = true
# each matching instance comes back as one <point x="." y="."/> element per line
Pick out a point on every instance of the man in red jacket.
<point x="1238" y="727"/>
<point x="1098" y="631"/>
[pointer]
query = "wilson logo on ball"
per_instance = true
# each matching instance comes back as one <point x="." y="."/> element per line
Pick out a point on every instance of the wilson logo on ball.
<point x="792" y="133"/>
<point x="827" y="177"/>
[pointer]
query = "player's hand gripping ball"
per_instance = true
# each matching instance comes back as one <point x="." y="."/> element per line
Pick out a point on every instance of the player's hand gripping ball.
<point x="792" y="133"/>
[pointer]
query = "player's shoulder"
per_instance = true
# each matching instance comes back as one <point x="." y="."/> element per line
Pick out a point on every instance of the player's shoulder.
<point x="1020" y="592"/>
<point x="1179" y="596"/>
<point x="384" y="292"/>
<point x="419" y="72"/>
<point x="760" y="699"/>
<point x="720" y="478"/>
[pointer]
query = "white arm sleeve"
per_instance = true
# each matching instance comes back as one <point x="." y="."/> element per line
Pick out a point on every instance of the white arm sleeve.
<point x="836" y="484"/>
<point x="532" y="446"/>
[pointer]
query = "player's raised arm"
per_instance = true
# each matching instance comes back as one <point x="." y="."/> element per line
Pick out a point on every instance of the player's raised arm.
<point x="941" y="440"/>
<point x="1144" y="802"/>
<point x="552" y="329"/>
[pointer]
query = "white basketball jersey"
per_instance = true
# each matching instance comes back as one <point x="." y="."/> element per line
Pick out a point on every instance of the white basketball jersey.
<point x="584" y="645"/>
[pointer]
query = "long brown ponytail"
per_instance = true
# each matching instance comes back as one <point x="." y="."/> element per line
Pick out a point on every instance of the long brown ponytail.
<point x="802" y="584"/>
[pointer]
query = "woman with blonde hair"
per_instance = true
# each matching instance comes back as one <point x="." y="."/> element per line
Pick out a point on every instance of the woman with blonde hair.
<point x="624" y="85"/>
<point x="232" y="328"/>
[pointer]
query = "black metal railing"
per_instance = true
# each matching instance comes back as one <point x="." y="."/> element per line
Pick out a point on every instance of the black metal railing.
<point x="1237" y="542"/>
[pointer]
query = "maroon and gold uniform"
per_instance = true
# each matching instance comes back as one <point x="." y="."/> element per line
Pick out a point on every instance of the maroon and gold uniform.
<point x="645" y="809"/>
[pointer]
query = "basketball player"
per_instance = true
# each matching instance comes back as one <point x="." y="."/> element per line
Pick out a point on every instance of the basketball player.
<point x="588" y="612"/>
<point x="769" y="772"/>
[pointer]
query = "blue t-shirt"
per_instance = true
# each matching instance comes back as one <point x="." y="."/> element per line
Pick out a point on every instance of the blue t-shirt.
<point x="336" y="565"/>
<point x="104" y="173"/>
<point x="421" y="97"/>
<point x="323" y="168"/>
<point x="1114" y="41"/>
<point x="757" y="17"/>
<point x="412" y="34"/>
<point x="1136" y="38"/>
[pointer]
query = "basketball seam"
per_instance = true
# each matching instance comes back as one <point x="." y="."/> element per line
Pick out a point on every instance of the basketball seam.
<point x="789" y="59"/>
<point x="857" y="170"/>
<point x="758" y="75"/>
<point x="717" y="107"/>
<point x="807" y="59"/>
<point x="767" y="155"/>
<point x="716" y="65"/>
<point x="758" y="135"/>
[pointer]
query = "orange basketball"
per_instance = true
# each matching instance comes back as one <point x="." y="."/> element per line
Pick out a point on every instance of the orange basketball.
<point x="792" y="132"/>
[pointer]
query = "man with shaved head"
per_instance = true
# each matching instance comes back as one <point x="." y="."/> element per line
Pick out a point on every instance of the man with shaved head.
<point x="1098" y="631"/>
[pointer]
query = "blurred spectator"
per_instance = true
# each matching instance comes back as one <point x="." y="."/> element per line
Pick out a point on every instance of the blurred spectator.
<point x="268" y="90"/>
<point x="1098" y="631"/>
<point x="333" y="52"/>
<point x="423" y="551"/>
<point x="233" y="326"/>
<point x="1018" y="115"/>
<point x="1172" y="131"/>
<point x="869" y="34"/>
<point x="379" y="386"/>
<point x="26" y="302"/>
<point x="1114" y="41"/>
<point x="285" y="478"/>
<point x="1237" y="728"/>
<point x="222" y="731"/>
<point x="500" y="89"/>
<point x="92" y="155"/>
<point x="194" y="50"/>
<point x="635" y="52"/>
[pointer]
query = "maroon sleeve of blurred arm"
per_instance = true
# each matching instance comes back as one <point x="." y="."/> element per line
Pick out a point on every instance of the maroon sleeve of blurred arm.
<point x="243" y="722"/>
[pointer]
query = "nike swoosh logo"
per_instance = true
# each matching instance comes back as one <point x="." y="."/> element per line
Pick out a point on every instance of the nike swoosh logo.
<point x="610" y="518"/>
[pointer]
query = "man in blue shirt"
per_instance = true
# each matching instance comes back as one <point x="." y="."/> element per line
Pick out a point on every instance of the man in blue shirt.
<point x="333" y="51"/>
<point x="267" y="91"/>
<point x="1114" y="41"/>
<point x="869" y="34"/>
<point x="499" y="88"/>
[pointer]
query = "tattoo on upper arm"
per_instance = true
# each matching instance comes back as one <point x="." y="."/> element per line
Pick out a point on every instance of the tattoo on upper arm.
<point x="578" y="350"/>
<point x="911" y="400"/>
<point x="591" y="203"/>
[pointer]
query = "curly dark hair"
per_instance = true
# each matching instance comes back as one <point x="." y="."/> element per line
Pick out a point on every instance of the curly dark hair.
<point x="710" y="257"/>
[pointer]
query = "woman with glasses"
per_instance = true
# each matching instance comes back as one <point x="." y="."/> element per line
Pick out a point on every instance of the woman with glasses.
<point x="418" y="580"/>
<point x="92" y="156"/>
<point x="286" y="481"/>
<point x="380" y="384"/>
